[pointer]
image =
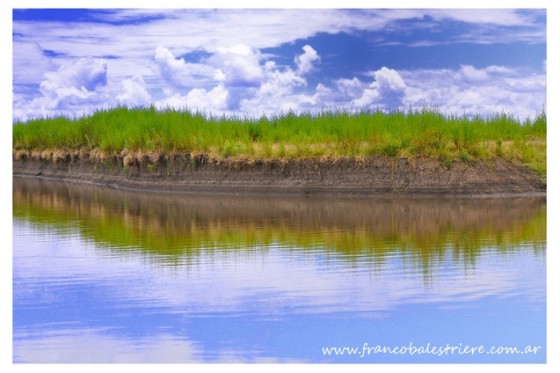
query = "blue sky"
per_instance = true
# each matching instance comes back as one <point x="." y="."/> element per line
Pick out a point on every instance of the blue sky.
<point x="269" y="61"/>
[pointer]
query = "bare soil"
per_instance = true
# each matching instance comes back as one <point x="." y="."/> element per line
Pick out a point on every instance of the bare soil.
<point x="186" y="173"/>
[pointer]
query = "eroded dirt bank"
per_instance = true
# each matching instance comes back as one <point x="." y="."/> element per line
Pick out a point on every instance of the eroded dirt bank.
<point x="184" y="173"/>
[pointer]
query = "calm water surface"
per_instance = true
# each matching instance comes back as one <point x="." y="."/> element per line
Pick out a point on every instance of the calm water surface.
<point x="102" y="275"/>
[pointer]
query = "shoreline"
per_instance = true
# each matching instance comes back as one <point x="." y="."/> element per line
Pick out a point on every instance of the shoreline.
<point x="371" y="176"/>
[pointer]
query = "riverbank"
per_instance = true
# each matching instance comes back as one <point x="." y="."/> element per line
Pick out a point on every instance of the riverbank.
<point x="201" y="174"/>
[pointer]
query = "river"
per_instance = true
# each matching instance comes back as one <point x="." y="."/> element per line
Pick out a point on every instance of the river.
<point x="106" y="276"/>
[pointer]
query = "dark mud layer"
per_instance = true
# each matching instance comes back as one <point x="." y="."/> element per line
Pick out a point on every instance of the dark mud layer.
<point x="345" y="176"/>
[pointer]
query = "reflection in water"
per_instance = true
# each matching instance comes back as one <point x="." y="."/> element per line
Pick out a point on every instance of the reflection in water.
<point x="256" y="279"/>
<point x="173" y="226"/>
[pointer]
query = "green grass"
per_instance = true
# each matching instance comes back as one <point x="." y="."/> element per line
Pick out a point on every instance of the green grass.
<point x="421" y="133"/>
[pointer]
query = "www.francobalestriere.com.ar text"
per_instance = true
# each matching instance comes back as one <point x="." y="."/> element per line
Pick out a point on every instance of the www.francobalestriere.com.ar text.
<point x="429" y="349"/>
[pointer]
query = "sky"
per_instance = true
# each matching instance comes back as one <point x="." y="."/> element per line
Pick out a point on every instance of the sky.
<point x="254" y="62"/>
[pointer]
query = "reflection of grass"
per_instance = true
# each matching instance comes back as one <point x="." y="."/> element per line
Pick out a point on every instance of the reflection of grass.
<point x="425" y="133"/>
<point x="174" y="229"/>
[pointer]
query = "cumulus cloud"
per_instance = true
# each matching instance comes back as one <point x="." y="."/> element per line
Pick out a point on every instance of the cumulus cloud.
<point x="214" y="100"/>
<point x="239" y="66"/>
<point x="390" y="86"/>
<point x="305" y="61"/>
<point x="350" y="87"/>
<point x="319" y="99"/>
<point x="239" y="80"/>
<point x="277" y="93"/>
<point x="172" y="100"/>
<point x="178" y="73"/>
<point x="84" y="75"/>
<point x="134" y="93"/>
<point x="78" y="88"/>
<point x="466" y="90"/>
<point x="484" y="91"/>
<point x="387" y="90"/>
<point x="471" y="74"/>
<point x="243" y="81"/>
<point x="210" y="101"/>
<point x="281" y="89"/>
<point x="219" y="81"/>
<point x="170" y="67"/>
<point x="72" y="89"/>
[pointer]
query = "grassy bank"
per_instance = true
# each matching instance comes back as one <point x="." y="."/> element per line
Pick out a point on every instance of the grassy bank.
<point x="425" y="133"/>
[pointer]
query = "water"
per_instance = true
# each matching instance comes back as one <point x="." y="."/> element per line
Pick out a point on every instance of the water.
<point x="107" y="276"/>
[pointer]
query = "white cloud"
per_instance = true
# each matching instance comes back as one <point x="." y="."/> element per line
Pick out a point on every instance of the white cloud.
<point x="178" y="73"/>
<point x="350" y="87"/>
<point x="483" y="91"/>
<point x="277" y="93"/>
<point x="30" y="63"/>
<point x="170" y="67"/>
<point x="239" y="66"/>
<point x="210" y="101"/>
<point x="183" y="31"/>
<point x="390" y="85"/>
<point x="386" y="92"/>
<point x="466" y="90"/>
<point x="321" y="96"/>
<point x="280" y="90"/>
<point x="78" y="88"/>
<point x="486" y="26"/>
<point x="83" y="75"/>
<point x="214" y="100"/>
<point x="263" y="87"/>
<point x="471" y="74"/>
<point x="369" y="96"/>
<point x="134" y="93"/>
<point x="305" y="61"/>
<point x="501" y="17"/>
<point x="172" y="100"/>
<point x="75" y="88"/>
<point x="219" y="82"/>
